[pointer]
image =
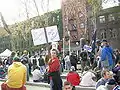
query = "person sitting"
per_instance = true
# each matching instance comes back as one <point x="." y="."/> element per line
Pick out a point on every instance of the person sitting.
<point x="88" y="78"/>
<point x="116" y="68"/>
<point x="105" y="76"/>
<point x="67" y="86"/>
<point x="17" y="73"/>
<point x="117" y="87"/>
<point x="2" y="71"/>
<point x="37" y="76"/>
<point x="73" y="77"/>
<point x="108" y="86"/>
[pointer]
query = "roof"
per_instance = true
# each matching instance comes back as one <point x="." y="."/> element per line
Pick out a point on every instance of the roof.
<point x="109" y="10"/>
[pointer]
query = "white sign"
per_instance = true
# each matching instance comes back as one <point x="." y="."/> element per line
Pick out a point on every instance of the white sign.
<point x="52" y="34"/>
<point x="38" y="36"/>
<point x="87" y="48"/>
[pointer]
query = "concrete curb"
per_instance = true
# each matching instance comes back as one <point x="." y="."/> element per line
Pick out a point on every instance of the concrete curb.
<point x="46" y="85"/>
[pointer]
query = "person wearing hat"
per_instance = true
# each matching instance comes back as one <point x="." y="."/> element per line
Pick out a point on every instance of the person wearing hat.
<point x="106" y="56"/>
<point x="15" y="70"/>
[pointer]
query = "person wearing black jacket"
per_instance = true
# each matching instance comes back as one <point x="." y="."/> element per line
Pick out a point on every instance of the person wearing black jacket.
<point x="41" y="64"/>
<point x="73" y="60"/>
<point x="84" y="59"/>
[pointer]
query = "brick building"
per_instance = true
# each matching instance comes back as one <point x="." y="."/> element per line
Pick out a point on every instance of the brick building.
<point x="74" y="17"/>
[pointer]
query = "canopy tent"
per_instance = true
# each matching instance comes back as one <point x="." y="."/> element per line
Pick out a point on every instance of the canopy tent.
<point x="6" y="53"/>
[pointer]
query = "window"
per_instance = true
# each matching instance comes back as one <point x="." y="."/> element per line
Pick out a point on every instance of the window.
<point x="74" y="37"/>
<point x="103" y="34"/>
<point x="102" y="19"/>
<point x="114" y="33"/>
<point x="111" y="17"/>
<point x="74" y="27"/>
<point x="80" y="14"/>
<point x="82" y="25"/>
<point x="65" y="18"/>
<point x="66" y="28"/>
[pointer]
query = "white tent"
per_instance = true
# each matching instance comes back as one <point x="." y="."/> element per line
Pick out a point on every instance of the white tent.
<point x="6" y="53"/>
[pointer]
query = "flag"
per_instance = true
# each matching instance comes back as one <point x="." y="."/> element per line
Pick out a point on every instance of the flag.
<point x="94" y="41"/>
<point x="4" y="24"/>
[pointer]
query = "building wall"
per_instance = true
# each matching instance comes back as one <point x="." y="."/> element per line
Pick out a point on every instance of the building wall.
<point x="74" y="16"/>
<point x="108" y="26"/>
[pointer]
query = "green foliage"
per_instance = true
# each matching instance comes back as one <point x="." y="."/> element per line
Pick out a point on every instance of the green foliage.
<point x="96" y="6"/>
<point x="21" y="32"/>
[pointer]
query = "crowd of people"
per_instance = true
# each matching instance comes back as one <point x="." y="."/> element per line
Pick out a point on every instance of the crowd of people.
<point x="99" y="69"/>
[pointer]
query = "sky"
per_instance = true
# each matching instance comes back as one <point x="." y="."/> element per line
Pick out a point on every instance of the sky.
<point x="110" y="3"/>
<point x="14" y="10"/>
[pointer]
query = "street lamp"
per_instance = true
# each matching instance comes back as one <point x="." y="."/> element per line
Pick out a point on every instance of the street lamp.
<point x="69" y="42"/>
<point x="63" y="47"/>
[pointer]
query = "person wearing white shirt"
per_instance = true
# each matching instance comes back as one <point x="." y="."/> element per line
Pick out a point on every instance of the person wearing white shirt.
<point x="87" y="79"/>
<point x="67" y="61"/>
<point x="37" y="76"/>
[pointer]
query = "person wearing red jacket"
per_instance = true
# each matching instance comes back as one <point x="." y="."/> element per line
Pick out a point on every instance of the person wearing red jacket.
<point x="53" y="70"/>
<point x="73" y="77"/>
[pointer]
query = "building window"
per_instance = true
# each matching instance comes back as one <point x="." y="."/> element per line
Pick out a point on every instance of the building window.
<point x="114" y="33"/>
<point x="66" y="28"/>
<point x="111" y="17"/>
<point x="65" y="18"/>
<point x="74" y="37"/>
<point x="80" y="15"/>
<point x="102" y="19"/>
<point x="82" y="25"/>
<point x="74" y="26"/>
<point x="103" y="34"/>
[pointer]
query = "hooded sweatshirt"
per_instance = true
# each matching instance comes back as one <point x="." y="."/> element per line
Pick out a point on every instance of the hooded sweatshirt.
<point x="16" y="75"/>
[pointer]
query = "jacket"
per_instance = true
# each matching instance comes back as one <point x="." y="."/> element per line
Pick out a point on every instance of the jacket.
<point x="106" y="54"/>
<point x="73" y="77"/>
<point x="16" y="75"/>
<point x="54" y="65"/>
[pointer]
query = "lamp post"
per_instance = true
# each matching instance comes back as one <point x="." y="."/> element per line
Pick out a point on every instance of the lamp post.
<point x="69" y="42"/>
<point x="63" y="47"/>
<point x="77" y="46"/>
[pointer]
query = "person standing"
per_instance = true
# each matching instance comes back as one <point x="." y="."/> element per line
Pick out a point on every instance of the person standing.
<point x="67" y="61"/>
<point x="84" y="60"/>
<point x="53" y="70"/>
<point x="107" y="56"/>
<point x="10" y="59"/>
<point x="73" y="60"/>
<point x="42" y="64"/>
<point x="25" y="60"/>
<point x="15" y="70"/>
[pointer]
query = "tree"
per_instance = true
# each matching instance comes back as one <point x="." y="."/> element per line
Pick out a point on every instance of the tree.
<point x="8" y="30"/>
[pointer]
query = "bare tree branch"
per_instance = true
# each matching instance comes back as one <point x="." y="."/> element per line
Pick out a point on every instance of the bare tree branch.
<point x="36" y="7"/>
